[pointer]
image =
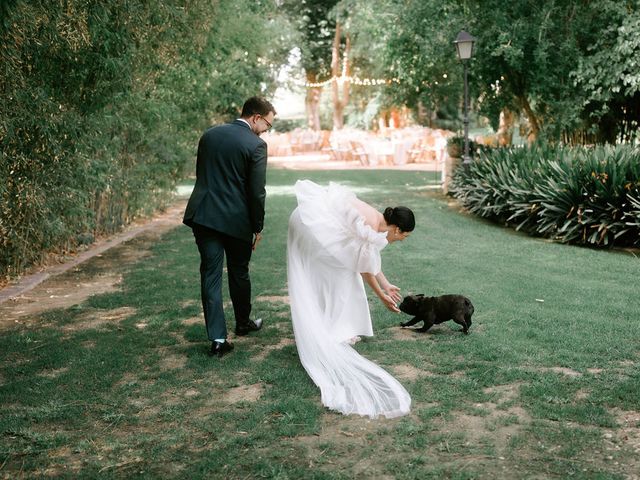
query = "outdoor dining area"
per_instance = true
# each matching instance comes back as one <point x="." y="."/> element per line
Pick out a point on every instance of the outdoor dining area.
<point x="385" y="148"/>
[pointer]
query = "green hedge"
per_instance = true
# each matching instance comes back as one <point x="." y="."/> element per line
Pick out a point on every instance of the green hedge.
<point x="587" y="196"/>
<point x="102" y="106"/>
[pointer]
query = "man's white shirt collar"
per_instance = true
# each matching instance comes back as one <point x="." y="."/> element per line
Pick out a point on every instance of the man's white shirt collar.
<point x="243" y="120"/>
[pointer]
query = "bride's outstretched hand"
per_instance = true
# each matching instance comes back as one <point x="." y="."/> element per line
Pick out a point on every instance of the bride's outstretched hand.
<point x="394" y="293"/>
<point x="389" y="303"/>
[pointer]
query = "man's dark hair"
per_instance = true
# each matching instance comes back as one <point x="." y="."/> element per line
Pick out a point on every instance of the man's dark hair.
<point x="257" y="105"/>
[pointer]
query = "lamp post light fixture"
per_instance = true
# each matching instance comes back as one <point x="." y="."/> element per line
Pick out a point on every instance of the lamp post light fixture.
<point x="464" y="47"/>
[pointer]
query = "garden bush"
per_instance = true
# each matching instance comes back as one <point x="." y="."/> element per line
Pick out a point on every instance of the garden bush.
<point x="581" y="195"/>
<point x="102" y="106"/>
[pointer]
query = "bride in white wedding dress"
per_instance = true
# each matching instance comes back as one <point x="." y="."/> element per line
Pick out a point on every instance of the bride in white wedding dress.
<point x="334" y="243"/>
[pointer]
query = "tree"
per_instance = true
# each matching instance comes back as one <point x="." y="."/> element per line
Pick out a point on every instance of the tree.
<point x="609" y="76"/>
<point x="340" y="74"/>
<point x="533" y="54"/>
<point x="316" y="28"/>
<point x="567" y="67"/>
<point x="103" y="103"/>
<point x="525" y="52"/>
<point x="410" y="44"/>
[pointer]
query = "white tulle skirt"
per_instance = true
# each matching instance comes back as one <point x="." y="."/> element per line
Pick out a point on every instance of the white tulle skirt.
<point x="329" y="306"/>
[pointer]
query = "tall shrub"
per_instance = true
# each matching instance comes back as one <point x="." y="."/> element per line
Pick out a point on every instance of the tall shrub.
<point x="103" y="103"/>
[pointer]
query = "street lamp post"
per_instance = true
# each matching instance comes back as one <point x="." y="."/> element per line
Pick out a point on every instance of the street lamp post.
<point x="464" y="47"/>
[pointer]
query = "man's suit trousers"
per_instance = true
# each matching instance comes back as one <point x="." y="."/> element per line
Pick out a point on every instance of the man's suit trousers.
<point x="213" y="246"/>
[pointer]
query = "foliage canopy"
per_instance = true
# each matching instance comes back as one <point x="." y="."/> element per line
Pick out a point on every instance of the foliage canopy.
<point x="570" y="68"/>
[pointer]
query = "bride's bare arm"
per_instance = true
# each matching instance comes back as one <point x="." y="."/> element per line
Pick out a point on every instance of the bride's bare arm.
<point x="375" y="286"/>
<point x="392" y="290"/>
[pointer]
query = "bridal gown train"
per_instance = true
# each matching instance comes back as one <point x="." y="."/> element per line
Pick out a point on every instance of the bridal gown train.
<point x="328" y="246"/>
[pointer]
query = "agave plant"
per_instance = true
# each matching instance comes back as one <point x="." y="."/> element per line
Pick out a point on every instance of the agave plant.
<point x="574" y="195"/>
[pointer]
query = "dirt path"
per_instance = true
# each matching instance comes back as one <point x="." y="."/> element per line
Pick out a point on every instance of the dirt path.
<point x="91" y="272"/>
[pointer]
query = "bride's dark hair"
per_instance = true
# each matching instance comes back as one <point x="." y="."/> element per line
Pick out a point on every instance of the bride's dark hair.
<point x="401" y="217"/>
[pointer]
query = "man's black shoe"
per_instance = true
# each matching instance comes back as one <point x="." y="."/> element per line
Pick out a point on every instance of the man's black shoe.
<point x="218" y="349"/>
<point x="251" y="326"/>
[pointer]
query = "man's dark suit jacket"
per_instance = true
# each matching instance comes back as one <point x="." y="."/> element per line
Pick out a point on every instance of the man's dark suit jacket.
<point x="229" y="194"/>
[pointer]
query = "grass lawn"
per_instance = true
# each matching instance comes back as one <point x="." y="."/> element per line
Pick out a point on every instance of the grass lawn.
<point x="546" y="385"/>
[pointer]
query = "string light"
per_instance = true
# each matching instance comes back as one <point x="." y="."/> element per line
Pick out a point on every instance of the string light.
<point x="353" y="80"/>
<point x="348" y="78"/>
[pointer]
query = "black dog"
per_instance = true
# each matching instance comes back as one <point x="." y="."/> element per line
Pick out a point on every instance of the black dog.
<point x="434" y="310"/>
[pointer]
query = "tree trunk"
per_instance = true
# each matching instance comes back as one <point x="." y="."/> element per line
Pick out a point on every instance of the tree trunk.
<point x="532" y="136"/>
<point x="312" y="102"/>
<point x="505" y="130"/>
<point x="339" y="78"/>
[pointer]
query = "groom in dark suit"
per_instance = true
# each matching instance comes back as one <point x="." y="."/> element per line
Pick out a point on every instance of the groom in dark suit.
<point x="226" y="214"/>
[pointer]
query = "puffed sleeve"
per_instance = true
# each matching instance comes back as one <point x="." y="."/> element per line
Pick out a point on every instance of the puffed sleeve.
<point x="331" y="217"/>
